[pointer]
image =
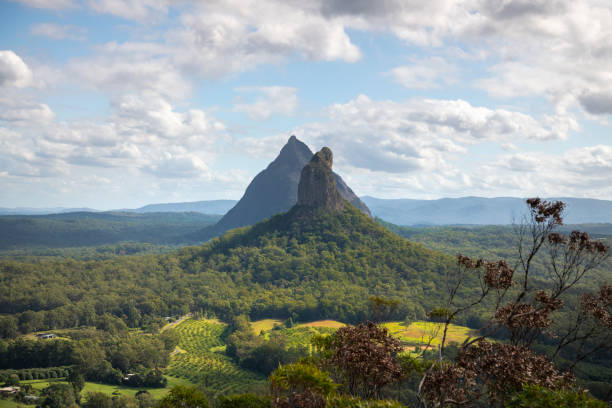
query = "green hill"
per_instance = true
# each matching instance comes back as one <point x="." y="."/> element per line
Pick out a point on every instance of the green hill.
<point x="315" y="263"/>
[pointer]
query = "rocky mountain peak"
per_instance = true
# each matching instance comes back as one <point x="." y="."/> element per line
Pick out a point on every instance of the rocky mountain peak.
<point x="317" y="187"/>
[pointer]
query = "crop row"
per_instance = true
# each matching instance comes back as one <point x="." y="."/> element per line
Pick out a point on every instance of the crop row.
<point x="204" y="363"/>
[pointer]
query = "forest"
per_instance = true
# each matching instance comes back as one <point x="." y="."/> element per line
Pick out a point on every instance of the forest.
<point x="298" y="266"/>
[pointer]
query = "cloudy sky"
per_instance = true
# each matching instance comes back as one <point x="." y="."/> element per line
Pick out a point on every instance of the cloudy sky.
<point x="121" y="103"/>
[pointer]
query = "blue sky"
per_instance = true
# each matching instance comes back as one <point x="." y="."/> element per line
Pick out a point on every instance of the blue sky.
<point x="121" y="103"/>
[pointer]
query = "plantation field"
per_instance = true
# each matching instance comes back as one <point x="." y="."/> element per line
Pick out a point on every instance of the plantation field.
<point x="204" y="362"/>
<point x="324" y="323"/>
<point x="420" y="332"/>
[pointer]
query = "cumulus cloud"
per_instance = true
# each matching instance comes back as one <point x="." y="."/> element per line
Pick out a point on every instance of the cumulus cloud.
<point x="127" y="72"/>
<point x="13" y="71"/>
<point x="143" y="10"/>
<point x="558" y="49"/>
<point x="578" y="172"/>
<point x="21" y="110"/>
<point x="58" y="32"/>
<point x="430" y="72"/>
<point x="144" y="134"/>
<point x="417" y="134"/>
<point x="49" y="4"/>
<point x="597" y="103"/>
<point x="279" y="100"/>
<point x="220" y="37"/>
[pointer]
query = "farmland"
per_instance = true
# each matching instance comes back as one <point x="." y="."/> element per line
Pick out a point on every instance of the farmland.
<point x="201" y="359"/>
<point x="204" y="363"/>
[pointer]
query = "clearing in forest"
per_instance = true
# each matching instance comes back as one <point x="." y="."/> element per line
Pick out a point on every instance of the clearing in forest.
<point x="334" y="324"/>
<point x="421" y="332"/>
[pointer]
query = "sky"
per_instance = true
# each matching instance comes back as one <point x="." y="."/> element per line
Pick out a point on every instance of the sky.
<point x="121" y="103"/>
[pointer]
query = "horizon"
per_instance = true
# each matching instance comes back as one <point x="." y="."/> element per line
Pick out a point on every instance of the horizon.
<point x="119" y="209"/>
<point x="120" y="104"/>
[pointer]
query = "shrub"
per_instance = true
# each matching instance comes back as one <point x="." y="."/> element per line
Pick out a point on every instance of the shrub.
<point x="539" y="397"/>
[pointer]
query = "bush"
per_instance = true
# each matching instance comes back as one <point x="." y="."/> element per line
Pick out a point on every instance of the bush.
<point x="12" y="379"/>
<point x="539" y="397"/>
<point x="184" y="397"/>
<point x="244" y="401"/>
<point x="97" y="400"/>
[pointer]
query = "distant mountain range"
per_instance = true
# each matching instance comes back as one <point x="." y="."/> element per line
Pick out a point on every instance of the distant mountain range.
<point x="219" y="207"/>
<point x="480" y="211"/>
<point x="444" y="211"/>
<point x="42" y="211"/>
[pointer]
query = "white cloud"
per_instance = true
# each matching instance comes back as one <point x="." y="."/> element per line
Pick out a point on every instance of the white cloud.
<point x="20" y="110"/>
<point x="58" y="32"/>
<point x="425" y="73"/>
<point x="221" y="37"/>
<point x="418" y="134"/>
<point x="49" y="4"/>
<point x="279" y="100"/>
<point x="126" y="72"/>
<point x="577" y="172"/>
<point x="142" y="10"/>
<point x="13" y="71"/>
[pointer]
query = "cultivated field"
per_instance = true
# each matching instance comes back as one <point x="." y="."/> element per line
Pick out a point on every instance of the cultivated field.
<point x="204" y="362"/>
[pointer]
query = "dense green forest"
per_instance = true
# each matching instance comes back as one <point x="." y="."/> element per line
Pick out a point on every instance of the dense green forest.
<point x="91" y="229"/>
<point x="307" y="267"/>
<point x="499" y="242"/>
<point x="302" y="265"/>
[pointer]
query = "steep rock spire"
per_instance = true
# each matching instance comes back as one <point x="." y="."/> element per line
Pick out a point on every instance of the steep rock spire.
<point x="317" y="187"/>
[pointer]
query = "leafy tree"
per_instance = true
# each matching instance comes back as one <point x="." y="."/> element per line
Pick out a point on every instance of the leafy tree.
<point x="144" y="399"/>
<point x="540" y="397"/>
<point x="12" y="380"/>
<point x="184" y="397"/>
<point x="8" y="327"/>
<point x="300" y="385"/>
<point x="523" y="307"/>
<point x="77" y="380"/>
<point x="58" y="396"/>
<point x="98" y="400"/>
<point x="366" y="358"/>
<point x="244" y="401"/>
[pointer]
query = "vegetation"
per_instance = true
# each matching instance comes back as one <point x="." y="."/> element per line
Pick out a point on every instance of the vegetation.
<point x="524" y="309"/>
<point x="301" y="266"/>
<point x="90" y="229"/>
<point x="202" y="359"/>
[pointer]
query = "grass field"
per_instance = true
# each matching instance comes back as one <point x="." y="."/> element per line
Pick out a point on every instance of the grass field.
<point x="118" y="390"/>
<point x="419" y="333"/>
<point x="265" y="324"/>
<point x="324" y="323"/>
<point x="5" y="403"/>
<point x="204" y="362"/>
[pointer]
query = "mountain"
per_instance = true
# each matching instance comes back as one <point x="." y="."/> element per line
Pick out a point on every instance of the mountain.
<point x="42" y="211"/>
<point x="480" y="210"/>
<point x="323" y="258"/>
<point x="275" y="190"/>
<point x="204" y="207"/>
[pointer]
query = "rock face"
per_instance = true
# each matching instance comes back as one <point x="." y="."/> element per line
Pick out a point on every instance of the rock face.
<point x="318" y="187"/>
<point x="275" y="190"/>
<point x="272" y="191"/>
